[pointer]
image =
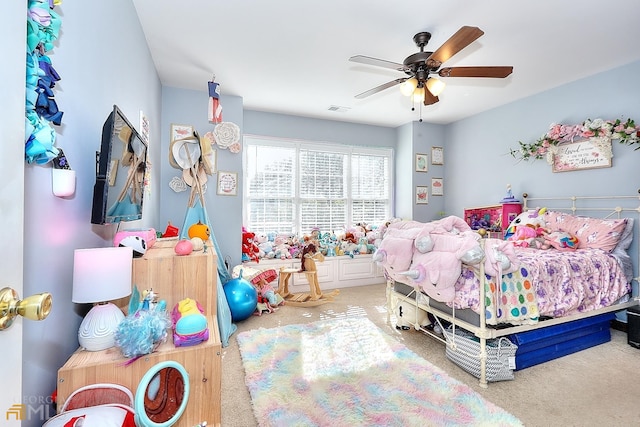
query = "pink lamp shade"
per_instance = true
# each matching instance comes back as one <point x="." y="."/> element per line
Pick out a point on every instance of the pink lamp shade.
<point x="101" y="275"/>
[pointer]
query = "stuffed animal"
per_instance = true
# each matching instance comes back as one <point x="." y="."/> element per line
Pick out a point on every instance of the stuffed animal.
<point x="395" y="252"/>
<point x="250" y="249"/>
<point x="281" y="248"/>
<point x="562" y="240"/>
<point x="500" y="257"/>
<point x="437" y="266"/>
<point x="533" y="218"/>
<point x="265" y="246"/>
<point x="528" y="230"/>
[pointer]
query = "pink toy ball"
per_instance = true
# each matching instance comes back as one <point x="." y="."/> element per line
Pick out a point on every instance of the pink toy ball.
<point x="183" y="247"/>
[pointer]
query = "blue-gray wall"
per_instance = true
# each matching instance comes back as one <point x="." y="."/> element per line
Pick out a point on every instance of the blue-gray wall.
<point x="225" y="212"/>
<point x="106" y="61"/>
<point x="478" y="164"/>
<point x="103" y="59"/>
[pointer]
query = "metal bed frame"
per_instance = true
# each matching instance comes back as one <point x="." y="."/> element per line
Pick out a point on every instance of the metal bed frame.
<point x="623" y="207"/>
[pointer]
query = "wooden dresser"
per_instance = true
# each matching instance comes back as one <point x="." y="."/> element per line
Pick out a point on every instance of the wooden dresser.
<point x="173" y="278"/>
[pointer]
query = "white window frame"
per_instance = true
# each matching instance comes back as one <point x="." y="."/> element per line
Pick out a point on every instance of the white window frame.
<point x="349" y="150"/>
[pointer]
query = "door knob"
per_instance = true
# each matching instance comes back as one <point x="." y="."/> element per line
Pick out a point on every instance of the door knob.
<point x="35" y="307"/>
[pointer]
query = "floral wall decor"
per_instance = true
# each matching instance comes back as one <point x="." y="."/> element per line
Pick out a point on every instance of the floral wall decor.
<point x="597" y="134"/>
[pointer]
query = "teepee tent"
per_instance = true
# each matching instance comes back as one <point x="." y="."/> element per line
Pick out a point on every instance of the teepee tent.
<point x="197" y="212"/>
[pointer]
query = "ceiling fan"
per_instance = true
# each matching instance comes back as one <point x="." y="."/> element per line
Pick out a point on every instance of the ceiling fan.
<point x="419" y="67"/>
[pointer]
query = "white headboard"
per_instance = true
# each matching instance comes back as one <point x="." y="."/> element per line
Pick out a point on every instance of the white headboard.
<point x="599" y="207"/>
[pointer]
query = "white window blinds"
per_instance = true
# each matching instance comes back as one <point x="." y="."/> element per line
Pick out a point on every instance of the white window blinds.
<point x="293" y="186"/>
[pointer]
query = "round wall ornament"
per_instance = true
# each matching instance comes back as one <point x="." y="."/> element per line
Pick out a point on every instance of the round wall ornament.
<point x="226" y="134"/>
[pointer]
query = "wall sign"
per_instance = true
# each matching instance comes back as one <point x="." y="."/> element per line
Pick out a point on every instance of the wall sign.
<point x="227" y="183"/>
<point x="583" y="154"/>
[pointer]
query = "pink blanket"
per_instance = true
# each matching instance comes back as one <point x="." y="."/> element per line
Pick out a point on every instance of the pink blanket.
<point x="556" y="283"/>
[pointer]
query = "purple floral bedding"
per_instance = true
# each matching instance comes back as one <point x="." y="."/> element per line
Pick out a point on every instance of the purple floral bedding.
<point x="548" y="283"/>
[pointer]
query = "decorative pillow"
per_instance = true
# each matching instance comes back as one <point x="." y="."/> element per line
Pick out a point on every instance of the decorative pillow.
<point x="591" y="232"/>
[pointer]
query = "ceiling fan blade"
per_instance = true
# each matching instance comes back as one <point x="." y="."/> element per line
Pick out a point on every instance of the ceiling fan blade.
<point x="377" y="62"/>
<point x="461" y="39"/>
<point x="494" y="72"/>
<point x="429" y="98"/>
<point x="381" y="88"/>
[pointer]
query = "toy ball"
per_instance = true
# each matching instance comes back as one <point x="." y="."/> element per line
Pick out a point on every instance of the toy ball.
<point x="242" y="298"/>
<point x="197" y="243"/>
<point x="183" y="247"/>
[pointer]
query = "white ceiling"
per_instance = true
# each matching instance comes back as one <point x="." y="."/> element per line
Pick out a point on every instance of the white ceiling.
<point x="291" y="56"/>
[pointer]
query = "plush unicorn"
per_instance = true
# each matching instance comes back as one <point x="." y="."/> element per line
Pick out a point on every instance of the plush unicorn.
<point x="533" y="218"/>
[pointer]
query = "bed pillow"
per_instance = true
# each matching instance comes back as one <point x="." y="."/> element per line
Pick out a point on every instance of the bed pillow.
<point x="591" y="232"/>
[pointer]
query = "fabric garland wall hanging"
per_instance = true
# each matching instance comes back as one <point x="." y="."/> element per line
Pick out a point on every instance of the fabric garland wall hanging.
<point x="41" y="110"/>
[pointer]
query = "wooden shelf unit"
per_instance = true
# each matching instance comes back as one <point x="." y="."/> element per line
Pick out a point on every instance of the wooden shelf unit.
<point x="174" y="278"/>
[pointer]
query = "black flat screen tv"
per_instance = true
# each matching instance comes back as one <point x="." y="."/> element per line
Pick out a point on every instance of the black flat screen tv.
<point x="120" y="172"/>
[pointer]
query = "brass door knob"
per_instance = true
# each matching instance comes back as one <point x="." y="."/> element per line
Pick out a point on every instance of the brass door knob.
<point x="35" y="307"/>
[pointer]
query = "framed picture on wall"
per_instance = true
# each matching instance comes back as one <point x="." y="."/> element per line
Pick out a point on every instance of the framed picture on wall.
<point x="437" y="156"/>
<point x="180" y="131"/>
<point x="421" y="163"/>
<point x="227" y="183"/>
<point x="437" y="187"/>
<point x="422" y="194"/>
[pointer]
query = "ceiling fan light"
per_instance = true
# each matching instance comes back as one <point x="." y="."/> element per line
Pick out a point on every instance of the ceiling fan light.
<point x="435" y="86"/>
<point x="408" y="86"/>
<point x="418" y="94"/>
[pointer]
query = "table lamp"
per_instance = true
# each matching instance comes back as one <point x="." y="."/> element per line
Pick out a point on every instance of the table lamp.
<point x="101" y="275"/>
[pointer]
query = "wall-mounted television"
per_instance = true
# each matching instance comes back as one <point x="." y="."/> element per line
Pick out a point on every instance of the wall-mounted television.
<point x="120" y="171"/>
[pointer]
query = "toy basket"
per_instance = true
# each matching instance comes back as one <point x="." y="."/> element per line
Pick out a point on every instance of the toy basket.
<point x="501" y="354"/>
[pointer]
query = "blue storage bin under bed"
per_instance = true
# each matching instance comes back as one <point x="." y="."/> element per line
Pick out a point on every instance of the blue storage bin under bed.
<point x="542" y="345"/>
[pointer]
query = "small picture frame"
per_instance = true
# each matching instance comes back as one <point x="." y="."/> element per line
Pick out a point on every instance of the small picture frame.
<point x="180" y="131"/>
<point x="437" y="156"/>
<point x="422" y="162"/>
<point x="437" y="187"/>
<point x="227" y="183"/>
<point x="422" y="194"/>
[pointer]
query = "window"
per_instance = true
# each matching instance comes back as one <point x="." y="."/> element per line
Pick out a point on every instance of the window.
<point x="294" y="186"/>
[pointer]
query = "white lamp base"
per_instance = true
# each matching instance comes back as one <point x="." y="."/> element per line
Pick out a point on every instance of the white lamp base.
<point x="97" y="330"/>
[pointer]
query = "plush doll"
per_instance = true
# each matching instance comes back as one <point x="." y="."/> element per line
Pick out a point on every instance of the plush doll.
<point x="250" y="249"/>
<point x="268" y="294"/>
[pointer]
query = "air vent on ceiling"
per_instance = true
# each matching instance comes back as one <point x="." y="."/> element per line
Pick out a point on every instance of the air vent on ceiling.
<point x="338" y="109"/>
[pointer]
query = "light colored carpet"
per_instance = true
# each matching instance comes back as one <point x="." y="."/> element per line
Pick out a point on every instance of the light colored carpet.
<point x="347" y="372"/>
<point x="595" y="387"/>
